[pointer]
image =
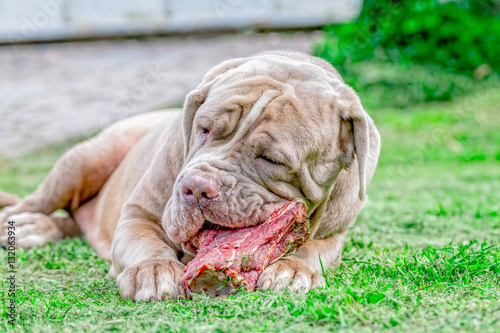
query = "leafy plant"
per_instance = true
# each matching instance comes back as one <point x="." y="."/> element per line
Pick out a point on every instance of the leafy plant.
<point x="453" y="45"/>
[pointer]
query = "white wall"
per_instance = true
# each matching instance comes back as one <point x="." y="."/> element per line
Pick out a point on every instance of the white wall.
<point x="28" y="20"/>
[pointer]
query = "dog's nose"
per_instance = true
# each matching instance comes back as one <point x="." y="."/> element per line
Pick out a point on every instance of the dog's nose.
<point x="199" y="188"/>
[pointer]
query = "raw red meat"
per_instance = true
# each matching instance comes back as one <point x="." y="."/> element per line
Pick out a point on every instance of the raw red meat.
<point x="228" y="258"/>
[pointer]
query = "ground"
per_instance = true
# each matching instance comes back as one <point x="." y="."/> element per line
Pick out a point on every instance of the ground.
<point x="424" y="254"/>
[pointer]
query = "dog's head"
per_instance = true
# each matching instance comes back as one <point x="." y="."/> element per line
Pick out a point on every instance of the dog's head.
<point x="259" y="132"/>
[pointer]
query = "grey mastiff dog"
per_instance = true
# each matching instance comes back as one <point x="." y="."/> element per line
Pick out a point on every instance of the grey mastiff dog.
<point x="255" y="134"/>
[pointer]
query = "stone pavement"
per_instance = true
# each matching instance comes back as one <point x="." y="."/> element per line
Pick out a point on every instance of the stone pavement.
<point x="52" y="92"/>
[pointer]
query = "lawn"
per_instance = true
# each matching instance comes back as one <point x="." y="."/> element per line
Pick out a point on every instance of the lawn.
<point x="423" y="255"/>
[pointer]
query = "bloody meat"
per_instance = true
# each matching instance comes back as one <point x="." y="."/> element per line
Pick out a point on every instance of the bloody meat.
<point x="228" y="258"/>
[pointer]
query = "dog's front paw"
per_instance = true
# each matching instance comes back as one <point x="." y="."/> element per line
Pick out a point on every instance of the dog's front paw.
<point x="28" y="229"/>
<point x="286" y="273"/>
<point x="153" y="280"/>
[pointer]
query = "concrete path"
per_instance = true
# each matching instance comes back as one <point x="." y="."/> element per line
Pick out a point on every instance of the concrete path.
<point x="52" y="92"/>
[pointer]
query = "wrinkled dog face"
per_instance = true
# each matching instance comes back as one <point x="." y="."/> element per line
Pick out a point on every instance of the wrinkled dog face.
<point x="259" y="132"/>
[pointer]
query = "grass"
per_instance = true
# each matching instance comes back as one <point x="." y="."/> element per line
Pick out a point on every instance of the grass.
<point x="424" y="255"/>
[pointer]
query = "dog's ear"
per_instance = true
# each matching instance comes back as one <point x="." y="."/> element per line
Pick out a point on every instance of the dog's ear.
<point x="354" y="137"/>
<point x="198" y="96"/>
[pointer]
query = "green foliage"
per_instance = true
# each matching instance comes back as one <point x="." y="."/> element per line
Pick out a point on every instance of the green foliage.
<point x="482" y="7"/>
<point x="444" y="44"/>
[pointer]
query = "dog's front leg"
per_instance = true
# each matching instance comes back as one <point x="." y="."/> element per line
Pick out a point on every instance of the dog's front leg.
<point x="302" y="270"/>
<point x="145" y="261"/>
<point x="145" y="266"/>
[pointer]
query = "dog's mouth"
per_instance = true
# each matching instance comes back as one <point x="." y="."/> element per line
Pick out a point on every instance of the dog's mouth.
<point x="207" y="225"/>
<point x="191" y="246"/>
<point x="197" y="222"/>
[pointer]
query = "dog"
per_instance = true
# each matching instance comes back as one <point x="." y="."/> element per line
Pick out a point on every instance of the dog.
<point x="256" y="133"/>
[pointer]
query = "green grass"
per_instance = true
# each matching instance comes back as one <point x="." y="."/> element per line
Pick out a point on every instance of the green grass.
<point x="424" y="255"/>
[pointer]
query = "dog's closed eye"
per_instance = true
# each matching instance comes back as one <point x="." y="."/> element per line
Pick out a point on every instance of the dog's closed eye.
<point x="270" y="160"/>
